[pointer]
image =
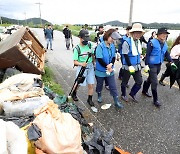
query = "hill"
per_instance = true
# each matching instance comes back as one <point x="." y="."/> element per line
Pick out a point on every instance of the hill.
<point x="35" y="21"/>
<point x="154" y="25"/>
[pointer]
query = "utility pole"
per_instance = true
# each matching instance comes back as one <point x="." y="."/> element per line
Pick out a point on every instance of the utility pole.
<point x="40" y="12"/>
<point x="1" y="20"/>
<point x="130" y="13"/>
<point x="25" y="18"/>
<point x="0" y="16"/>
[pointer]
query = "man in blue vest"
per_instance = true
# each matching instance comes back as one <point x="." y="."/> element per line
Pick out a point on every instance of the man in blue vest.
<point x="120" y="48"/>
<point x="131" y="51"/>
<point x="157" y="49"/>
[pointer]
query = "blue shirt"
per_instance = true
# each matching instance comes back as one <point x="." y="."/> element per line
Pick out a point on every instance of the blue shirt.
<point x="49" y="33"/>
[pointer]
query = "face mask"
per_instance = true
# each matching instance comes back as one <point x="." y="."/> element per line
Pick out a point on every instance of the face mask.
<point x="84" y="42"/>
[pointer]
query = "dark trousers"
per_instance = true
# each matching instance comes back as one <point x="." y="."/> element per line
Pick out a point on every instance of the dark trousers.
<point x="111" y="82"/>
<point x="152" y="78"/>
<point x="137" y="78"/>
<point x="120" y="73"/>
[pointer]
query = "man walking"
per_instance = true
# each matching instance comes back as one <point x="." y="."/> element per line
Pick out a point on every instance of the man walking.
<point x="68" y="36"/>
<point x="157" y="49"/>
<point x="49" y="36"/>
<point x="80" y="56"/>
<point x="131" y="51"/>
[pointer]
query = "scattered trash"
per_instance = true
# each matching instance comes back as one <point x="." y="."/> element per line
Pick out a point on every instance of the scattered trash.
<point x="99" y="143"/>
<point x="23" y="50"/>
<point x="34" y="133"/>
<point x="105" y="106"/>
<point x="90" y="124"/>
<point x="94" y="109"/>
<point x="23" y="107"/>
<point x="58" y="128"/>
<point x="12" y="139"/>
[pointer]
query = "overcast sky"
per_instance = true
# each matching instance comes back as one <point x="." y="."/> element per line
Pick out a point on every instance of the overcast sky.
<point x="93" y="11"/>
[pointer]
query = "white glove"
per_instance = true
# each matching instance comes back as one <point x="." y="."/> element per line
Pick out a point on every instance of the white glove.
<point x="108" y="73"/>
<point x="131" y="69"/>
<point x="146" y="69"/>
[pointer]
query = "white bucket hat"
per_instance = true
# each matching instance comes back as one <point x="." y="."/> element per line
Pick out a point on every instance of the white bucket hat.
<point x="137" y="27"/>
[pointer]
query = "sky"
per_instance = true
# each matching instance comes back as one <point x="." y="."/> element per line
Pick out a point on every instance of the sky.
<point x="93" y="11"/>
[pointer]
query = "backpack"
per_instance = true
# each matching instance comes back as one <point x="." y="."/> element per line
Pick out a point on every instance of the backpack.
<point x="79" y="50"/>
<point x="121" y="43"/>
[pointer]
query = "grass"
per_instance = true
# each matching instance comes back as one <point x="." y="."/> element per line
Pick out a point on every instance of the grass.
<point x="49" y="81"/>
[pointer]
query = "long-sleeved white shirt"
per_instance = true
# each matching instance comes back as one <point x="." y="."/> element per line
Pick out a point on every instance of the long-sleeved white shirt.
<point x="175" y="52"/>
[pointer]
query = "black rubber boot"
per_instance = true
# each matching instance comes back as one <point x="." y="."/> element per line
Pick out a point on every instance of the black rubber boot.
<point x="155" y="98"/>
<point x="133" y="92"/>
<point x="99" y="97"/>
<point x="123" y="95"/>
<point x="146" y="86"/>
<point x="89" y="100"/>
<point x="117" y="103"/>
<point x="161" y="80"/>
<point x="74" y="97"/>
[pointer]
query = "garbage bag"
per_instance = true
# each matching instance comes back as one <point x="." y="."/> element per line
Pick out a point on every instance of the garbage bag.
<point x="61" y="133"/>
<point x="10" y="72"/>
<point x="34" y="133"/>
<point x="31" y="147"/>
<point x="49" y="93"/>
<point x="15" y="138"/>
<point x="23" y="107"/>
<point x="19" y="121"/>
<point x="20" y="86"/>
<point x="3" y="140"/>
<point x="1" y="74"/>
<point x="99" y="143"/>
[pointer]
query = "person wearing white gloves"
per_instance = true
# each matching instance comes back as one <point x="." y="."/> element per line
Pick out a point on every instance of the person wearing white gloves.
<point x="131" y="61"/>
<point x="105" y="58"/>
<point x="157" y="49"/>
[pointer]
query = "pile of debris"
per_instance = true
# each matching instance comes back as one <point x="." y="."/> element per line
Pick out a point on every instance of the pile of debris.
<point x="23" y="51"/>
<point x="34" y="119"/>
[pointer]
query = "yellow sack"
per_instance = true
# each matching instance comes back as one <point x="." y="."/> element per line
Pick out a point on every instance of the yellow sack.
<point x="31" y="147"/>
<point x="61" y="133"/>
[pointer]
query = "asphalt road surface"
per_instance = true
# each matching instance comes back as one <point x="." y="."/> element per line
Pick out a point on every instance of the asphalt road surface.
<point x="138" y="127"/>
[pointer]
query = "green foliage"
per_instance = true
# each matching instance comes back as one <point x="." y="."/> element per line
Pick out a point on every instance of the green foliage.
<point x="144" y="51"/>
<point x="92" y="36"/>
<point x="49" y="81"/>
<point x="6" y="25"/>
<point x="170" y="43"/>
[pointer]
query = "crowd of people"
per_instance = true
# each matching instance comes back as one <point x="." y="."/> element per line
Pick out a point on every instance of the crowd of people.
<point x="100" y="65"/>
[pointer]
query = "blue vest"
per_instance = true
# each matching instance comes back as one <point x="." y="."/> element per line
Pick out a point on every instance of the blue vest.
<point x="101" y="39"/>
<point x="133" y="59"/>
<point x="157" y="53"/>
<point x="107" y="57"/>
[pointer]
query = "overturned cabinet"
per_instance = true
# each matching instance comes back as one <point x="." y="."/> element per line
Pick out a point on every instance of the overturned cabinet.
<point x="24" y="51"/>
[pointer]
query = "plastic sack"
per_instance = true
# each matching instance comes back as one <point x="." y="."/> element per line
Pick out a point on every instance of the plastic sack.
<point x="31" y="147"/>
<point x="3" y="143"/>
<point x="24" y="107"/>
<point x="14" y="137"/>
<point x="61" y="133"/>
<point x="20" y="86"/>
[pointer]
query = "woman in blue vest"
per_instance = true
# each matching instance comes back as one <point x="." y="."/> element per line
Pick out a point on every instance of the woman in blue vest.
<point x="105" y="58"/>
<point x="157" y="49"/>
<point x="131" y="51"/>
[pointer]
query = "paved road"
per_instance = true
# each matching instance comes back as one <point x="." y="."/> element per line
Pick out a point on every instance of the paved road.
<point x="139" y="127"/>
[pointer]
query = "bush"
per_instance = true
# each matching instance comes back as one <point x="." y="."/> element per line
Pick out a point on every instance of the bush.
<point x="49" y="81"/>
